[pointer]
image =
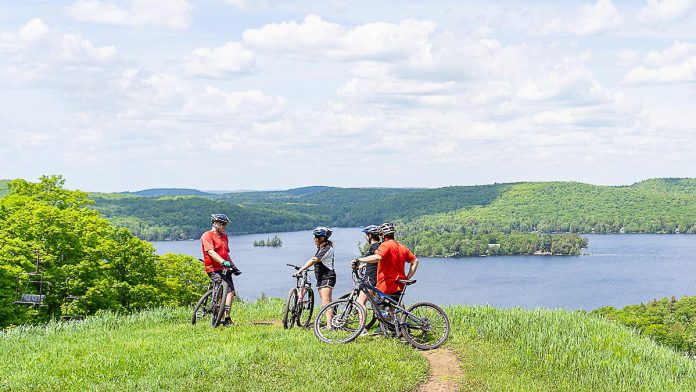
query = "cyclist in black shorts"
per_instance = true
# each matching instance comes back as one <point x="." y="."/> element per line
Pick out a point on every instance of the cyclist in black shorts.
<point x="323" y="262"/>
<point x="372" y="237"/>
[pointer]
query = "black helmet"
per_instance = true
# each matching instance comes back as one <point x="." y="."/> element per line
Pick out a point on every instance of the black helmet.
<point x="371" y="229"/>
<point x="322" y="232"/>
<point x="222" y="218"/>
<point x="387" y="229"/>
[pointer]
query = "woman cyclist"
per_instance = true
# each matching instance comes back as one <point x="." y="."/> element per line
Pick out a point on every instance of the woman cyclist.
<point x="323" y="262"/>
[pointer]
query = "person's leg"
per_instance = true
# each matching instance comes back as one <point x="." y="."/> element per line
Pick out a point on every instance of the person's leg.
<point x="230" y="297"/>
<point x="325" y="295"/>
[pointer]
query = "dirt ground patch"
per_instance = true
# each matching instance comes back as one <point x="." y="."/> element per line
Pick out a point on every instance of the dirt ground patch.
<point x="445" y="373"/>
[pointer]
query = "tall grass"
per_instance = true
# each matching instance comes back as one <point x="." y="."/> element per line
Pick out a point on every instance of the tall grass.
<point x="499" y="350"/>
<point x="160" y="350"/>
<point x="524" y="350"/>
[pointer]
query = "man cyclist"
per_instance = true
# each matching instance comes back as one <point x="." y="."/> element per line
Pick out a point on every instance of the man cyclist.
<point x="391" y="258"/>
<point x="216" y="254"/>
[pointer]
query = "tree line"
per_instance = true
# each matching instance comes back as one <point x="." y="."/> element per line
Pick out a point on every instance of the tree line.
<point x="106" y="266"/>
<point x="669" y="321"/>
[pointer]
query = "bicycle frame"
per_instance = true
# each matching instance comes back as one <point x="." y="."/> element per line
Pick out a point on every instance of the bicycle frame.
<point x="360" y="284"/>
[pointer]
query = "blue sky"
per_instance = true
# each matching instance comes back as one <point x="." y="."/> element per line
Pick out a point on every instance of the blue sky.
<point x="235" y="94"/>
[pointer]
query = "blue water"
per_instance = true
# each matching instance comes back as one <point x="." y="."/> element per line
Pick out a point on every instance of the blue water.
<point x="618" y="270"/>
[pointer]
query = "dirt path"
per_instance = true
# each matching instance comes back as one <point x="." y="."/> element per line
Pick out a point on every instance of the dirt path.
<point x="445" y="373"/>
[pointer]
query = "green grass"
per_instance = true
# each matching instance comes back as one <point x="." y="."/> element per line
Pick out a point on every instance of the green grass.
<point x="532" y="350"/>
<point x="160" y="350"/>
<point x="499" y="350"/>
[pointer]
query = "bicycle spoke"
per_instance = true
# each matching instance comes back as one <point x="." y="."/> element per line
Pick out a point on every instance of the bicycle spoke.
<point x="426" y="326"/>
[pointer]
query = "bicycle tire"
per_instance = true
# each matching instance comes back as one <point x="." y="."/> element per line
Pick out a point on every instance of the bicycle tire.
<point x="370" y="316"/>
<point x="218" y="309"/>
<point x="202" y="307"/>
<point x="305" y="309"/>
<point x="347" y="323"/>
<point x="426" y="326"/>
<point x="290" y="306"/>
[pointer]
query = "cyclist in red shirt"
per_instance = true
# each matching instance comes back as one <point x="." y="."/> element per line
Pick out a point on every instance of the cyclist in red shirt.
<point x="216" y="254"/>
<point x="391" y="258"/>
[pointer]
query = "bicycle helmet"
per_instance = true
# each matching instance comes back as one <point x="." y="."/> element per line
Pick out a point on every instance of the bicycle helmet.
<point x="322" y="232"/>
<point x="371" y="229"/>
<point x="222" y="218"/>
<point x="387" y="229"/>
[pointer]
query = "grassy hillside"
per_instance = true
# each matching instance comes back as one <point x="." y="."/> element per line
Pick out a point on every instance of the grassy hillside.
<point x="513" y="350"/>
<point x="161" y="350"/>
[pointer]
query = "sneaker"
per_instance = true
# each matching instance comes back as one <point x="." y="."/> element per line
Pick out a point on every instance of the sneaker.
<point x="228" y="322"/>
<point x="377" y="331"/>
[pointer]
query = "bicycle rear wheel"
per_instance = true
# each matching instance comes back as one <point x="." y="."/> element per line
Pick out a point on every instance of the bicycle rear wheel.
<point x="370" y="316"/>
<point x="347" y="321"/>
<point x="202" y="308"/>
<point x="305" y="309"/>
<point x="290" y="309"/>
<point x="426" y="326"/>
<point x="217" y="307"/>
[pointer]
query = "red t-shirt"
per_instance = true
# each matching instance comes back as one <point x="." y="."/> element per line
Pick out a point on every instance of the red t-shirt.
<point x="391" y="267"/>
<point x="211" y="240"/>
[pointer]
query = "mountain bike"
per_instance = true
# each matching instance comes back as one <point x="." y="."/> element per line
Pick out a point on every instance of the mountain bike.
<point x="202" y="307"/>
<point x="212" y="302"/>
<point x="300" y="303"/>
<point x="424" y="325"/>
<point x="371" y="317"/>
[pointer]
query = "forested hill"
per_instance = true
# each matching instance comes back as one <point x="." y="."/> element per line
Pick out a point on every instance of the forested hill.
<point x="651" y="206"/>
<point x="156" y="218"/>
<point x="159" y="192"/>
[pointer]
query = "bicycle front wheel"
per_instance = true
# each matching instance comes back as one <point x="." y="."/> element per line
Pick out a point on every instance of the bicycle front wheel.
<point x="290" y="309"/>
<point x="305" y="309"/>
<point x="341" y="321"/>
<point x="425" y="326"/>
<point x="217" y="307"/>
<point x="370" y="316"/>
<point x="202" y="308"/>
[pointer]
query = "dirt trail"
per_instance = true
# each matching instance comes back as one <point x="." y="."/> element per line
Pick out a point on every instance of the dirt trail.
<point x="445" y="373"/>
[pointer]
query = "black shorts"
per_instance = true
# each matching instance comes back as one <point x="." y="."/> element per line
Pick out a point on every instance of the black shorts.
<point x="371" y="274"/>
<point x="217" y="276"/>
<point x="326" y="280"/>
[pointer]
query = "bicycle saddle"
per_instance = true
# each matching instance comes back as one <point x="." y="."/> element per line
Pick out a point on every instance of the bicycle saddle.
<point x="406" y="281"/>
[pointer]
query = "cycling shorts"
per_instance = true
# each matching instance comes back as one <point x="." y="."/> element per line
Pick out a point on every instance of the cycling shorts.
<point x="326" y="279"/>
<point x="217" y="276"/>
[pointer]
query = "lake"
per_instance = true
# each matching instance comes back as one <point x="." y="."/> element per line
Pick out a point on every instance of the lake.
<point x="618" y="270"/>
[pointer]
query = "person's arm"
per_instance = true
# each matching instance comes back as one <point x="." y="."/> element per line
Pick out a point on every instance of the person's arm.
<point x="372" y="259"/>
<point x="308" y="264"/>
<point x="412" y="269"/>
<point x="215" y="256"/>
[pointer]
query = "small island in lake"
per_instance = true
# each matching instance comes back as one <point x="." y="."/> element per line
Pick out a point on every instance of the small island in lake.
<point x="275" y="241"/>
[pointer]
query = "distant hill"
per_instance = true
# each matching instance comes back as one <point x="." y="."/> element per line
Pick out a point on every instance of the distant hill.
<point x="159" y="192"/>
<point x="651" y="206"/>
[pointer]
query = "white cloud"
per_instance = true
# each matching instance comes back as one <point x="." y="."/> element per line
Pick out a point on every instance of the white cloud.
<point x="173" y="14"/>
<point x="315" y="36"/>
<point x="34" y="30"/>
<point x="661" y="12"/>
<point x="37" y="53"/>
<point x="231" y="58"/>
<point x="675" y="64"/>
<point x="588" y="19"/>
